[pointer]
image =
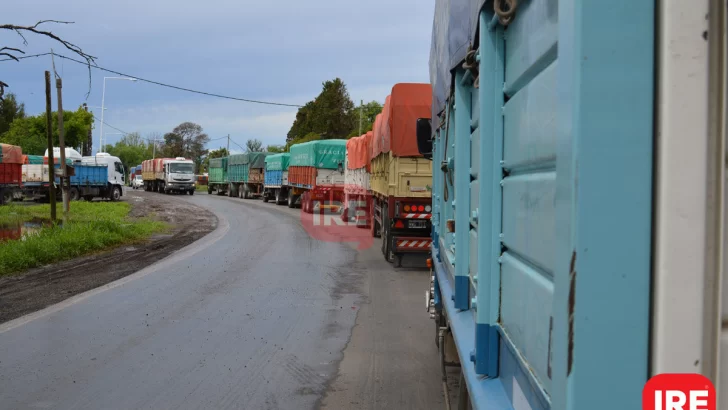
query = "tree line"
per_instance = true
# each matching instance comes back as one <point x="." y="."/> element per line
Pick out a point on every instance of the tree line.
<point x="331" y="115"/>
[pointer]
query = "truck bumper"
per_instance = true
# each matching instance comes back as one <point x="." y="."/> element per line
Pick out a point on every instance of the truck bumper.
<point x="179" y="187"/>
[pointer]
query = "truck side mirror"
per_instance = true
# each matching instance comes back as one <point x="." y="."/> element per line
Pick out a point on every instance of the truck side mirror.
<point x="424" y="137"/>
<point x="340" y="168"/>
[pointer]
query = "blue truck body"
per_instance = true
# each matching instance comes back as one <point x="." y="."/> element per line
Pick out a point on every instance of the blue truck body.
<point x="540" y="261"/>
<point x="274" y="177"/>
<point x="90" y="175"/>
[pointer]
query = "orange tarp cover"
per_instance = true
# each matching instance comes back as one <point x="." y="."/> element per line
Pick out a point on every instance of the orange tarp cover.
<point x="356" y="147"/>
<point x="408" y="102"/>
<point x="11" y="154"/>
<point x="369" y="138"/>
<point x="376" y="137"/>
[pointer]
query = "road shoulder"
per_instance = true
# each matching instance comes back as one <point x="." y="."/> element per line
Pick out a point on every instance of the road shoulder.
<point x="39" y="288"/>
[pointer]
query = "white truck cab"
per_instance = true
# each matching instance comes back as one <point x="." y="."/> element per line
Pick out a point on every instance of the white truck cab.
<point x="179" y="175"/>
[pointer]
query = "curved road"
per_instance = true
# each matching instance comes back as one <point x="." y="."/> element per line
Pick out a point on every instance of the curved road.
<point x="256" y="315"/>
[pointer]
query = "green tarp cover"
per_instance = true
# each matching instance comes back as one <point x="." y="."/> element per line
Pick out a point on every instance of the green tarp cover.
<point x="277" y="162"/>
<point x="35" y="159"/>
<point x="322" y="154"/>
<point x="254" y="159"/>
<point x="238" y="159"/>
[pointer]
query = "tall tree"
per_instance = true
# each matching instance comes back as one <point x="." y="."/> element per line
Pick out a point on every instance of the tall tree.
<point x="329" y="115"/>
<point x="253" y="145"/>
<point x="173" y="145"/>
<point x="186" y="140"/>
<point x="369" y="113"/>
<point x="30" y="132"/>
<point x="10" y="109"/>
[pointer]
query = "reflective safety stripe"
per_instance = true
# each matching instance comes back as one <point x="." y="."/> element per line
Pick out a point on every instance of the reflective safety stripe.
<point x="418" y="216"/>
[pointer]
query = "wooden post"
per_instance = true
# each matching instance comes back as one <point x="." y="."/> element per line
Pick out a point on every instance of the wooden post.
<point x="49" y="134"/>
<point x="62" y="148"/>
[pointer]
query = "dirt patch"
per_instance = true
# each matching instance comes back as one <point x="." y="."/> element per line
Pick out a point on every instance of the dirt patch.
<point x="45" y="286"/>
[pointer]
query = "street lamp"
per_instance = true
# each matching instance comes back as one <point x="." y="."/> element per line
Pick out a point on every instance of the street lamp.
<point x="103" y="95"/>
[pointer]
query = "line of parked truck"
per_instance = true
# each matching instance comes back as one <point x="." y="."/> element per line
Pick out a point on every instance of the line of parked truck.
<point x="379" y="179"/>
<point x="24" y="176"/>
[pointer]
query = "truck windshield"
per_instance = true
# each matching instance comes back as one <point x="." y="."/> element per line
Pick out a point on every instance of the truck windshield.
<point x="138" y="177"/>
<point x="181" y="168"/>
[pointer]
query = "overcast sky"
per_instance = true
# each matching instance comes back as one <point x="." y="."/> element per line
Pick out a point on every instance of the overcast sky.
<point x="269" y="50"/>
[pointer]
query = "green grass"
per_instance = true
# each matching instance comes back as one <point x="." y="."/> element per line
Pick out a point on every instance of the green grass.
<point x="91" y="227"/>
<point x="200" y="187"/>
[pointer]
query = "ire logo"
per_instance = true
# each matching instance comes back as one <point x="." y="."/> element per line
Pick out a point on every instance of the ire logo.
<point x="679" y="392"/>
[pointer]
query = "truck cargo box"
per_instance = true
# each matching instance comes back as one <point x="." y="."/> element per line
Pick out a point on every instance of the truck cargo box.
<point x="276" y="169"/>
<point x="218" y="173"/>
<point x="406" y="177"/>
<point x="33" y="173"/>
<point x="356" y="173"/>
<point x="11" y="173"/>
<point x="317" y="162"/>
<point x="90" y="175"/>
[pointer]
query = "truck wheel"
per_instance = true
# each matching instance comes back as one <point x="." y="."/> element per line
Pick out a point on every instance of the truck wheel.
<point x="209" y="190"/>
<point x="116" y="194"/>
<point x="265" y="197"/>
<point x="386" y="236"/>
<point x="232" y="191"/>
<point x="7" y="196"/>
<point x="291" y="202"/>
<point x="192" y="192"/>
<point x="88" y="198"/>
<point x="246" y="193"/>
<point x="73" y="194"/>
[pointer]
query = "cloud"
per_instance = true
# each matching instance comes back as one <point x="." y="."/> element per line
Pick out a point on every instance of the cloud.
<point x="265" y="50"/>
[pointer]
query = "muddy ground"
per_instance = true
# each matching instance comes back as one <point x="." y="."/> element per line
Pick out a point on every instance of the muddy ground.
<point x="41" y="287"/>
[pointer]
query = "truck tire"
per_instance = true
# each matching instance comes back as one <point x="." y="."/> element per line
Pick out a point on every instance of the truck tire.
<point x="232" y="190"/>
<point x="209" y="190"/>
<point x="73" y="194"/>
<point x="386" y="236"/>
<point x="265" y="196"/>
<point x="6" y="196"/>
<point x="192" y="192"/>
<point x="116" y="194"/>
<point x="246" y="193"/>
<point x="291" y="201"/>
<point x="278" y="197"/>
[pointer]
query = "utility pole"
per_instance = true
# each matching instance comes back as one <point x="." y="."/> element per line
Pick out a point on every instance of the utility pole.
<point x="89" y="139"/>
<point x="49" y="134"/>
<point x="154" y="147"/>
<point x="228" y="147"/>
<point x="62" y="148"/>
<point x="361" y="113"/>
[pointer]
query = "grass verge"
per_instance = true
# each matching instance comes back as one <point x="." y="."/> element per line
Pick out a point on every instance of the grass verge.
<point x="91" y="227"/>
<point x="200" y="187"/>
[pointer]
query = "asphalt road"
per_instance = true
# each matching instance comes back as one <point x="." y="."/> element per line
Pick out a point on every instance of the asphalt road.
<point x="256" y="315"/>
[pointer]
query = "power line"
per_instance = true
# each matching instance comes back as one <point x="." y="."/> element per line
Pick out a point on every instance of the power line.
<point x="159" y="83"/>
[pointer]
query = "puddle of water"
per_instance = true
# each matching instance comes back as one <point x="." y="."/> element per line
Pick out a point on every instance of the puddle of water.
<point x="19" y="231"/>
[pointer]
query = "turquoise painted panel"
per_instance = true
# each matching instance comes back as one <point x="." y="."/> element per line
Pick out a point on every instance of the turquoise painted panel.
<point x="530" y="123"/>
<point x="473" y="266"/>
<point x="526" y="306"/>
<point x="474" y="153"/>
<point x="604" y="204"/>
<point x="529" y="218"/>
<point x="531" y="42"/>
<point x="474" y="203"/>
